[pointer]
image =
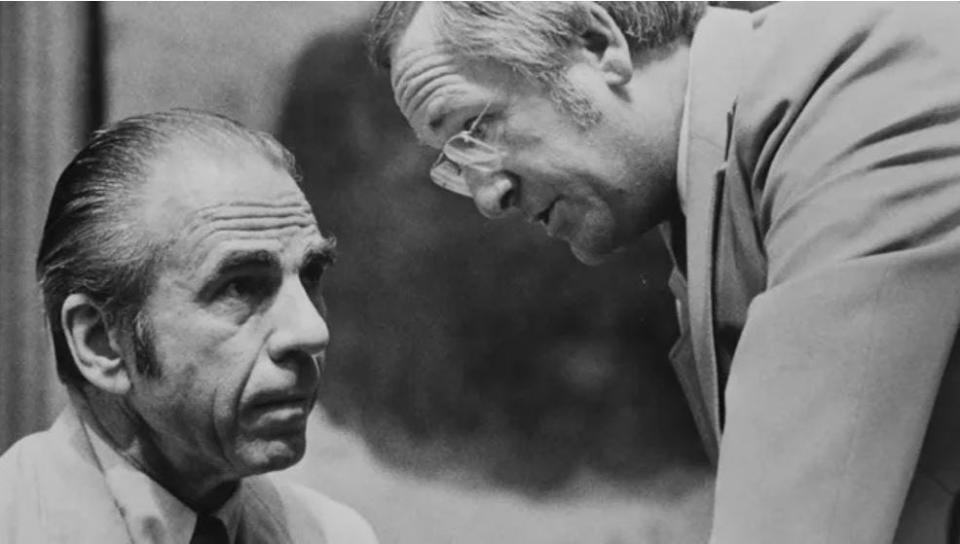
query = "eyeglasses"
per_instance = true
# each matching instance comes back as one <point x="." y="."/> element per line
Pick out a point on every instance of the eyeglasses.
<point x="462" y="152"/>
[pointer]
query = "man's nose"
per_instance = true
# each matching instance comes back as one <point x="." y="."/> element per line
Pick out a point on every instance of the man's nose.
<point x="494" y="194"/>
<point x="299" y="326"/>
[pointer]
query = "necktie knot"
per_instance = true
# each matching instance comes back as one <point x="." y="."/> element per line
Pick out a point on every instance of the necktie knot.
<point x="209" y="530"/>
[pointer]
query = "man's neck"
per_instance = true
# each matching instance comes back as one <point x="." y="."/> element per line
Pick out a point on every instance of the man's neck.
<point x="125" y="432"/>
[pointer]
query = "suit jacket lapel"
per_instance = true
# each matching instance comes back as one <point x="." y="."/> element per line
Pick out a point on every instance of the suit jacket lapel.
<point x="78" y="504"/>
<point x="717" y="54"/>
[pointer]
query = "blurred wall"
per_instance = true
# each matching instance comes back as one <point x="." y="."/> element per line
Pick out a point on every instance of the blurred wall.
<point x="48" y="102"/>
<point x="235" y="58"/>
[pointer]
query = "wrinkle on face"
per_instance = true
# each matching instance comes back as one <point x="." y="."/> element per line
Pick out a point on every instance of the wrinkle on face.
<point x="237" y="198"/>
<point x="427" y="80"/>
<point x="421" y="73"/>
<point x="426" y="96"/>
<point x="270" y="225"/>
<point x="213" y="209"/>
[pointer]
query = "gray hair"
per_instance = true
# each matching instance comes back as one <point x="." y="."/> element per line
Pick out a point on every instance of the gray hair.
<point x="92" y="243"/>
<point x="532" y="37"/>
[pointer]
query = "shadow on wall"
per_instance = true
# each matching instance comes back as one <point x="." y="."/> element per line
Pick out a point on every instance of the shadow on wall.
<point x="463" y="343"/>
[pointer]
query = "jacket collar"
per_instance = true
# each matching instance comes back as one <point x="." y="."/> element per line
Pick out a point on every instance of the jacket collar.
<point x="76" y="499"/>
<point x="717" y="53"/>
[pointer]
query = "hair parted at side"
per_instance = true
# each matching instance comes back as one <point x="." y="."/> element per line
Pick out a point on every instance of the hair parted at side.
<point x="531" y="36"/>
<point x="92" y="242"/>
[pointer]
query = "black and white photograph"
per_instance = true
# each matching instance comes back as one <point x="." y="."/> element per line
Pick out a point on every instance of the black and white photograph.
<point x="480" y="272"/>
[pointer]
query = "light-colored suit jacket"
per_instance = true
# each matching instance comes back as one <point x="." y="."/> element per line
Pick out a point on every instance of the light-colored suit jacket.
<point x="821" y="301"/>
<point x="52" y="491"/>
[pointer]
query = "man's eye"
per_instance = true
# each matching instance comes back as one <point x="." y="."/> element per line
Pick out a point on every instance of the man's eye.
<point x="311" y="275"/>
<point x="478" y="129"/>
<point x="244" y="288"/>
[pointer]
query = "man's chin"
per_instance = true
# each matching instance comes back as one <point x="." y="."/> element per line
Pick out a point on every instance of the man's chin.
<point x="275" y="454"/>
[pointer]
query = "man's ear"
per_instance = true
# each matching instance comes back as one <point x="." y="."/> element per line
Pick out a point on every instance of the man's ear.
<point x="606" y="46"/>
<point x="94" y="347"/>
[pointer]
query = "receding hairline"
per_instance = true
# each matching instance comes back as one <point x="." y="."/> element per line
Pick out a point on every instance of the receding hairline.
<point x="182" y="162"/>
<point x="396" y="17"/>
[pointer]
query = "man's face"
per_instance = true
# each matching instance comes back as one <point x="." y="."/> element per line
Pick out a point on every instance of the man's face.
<point x="235" y="317"/>
<point x="598" y="187"/>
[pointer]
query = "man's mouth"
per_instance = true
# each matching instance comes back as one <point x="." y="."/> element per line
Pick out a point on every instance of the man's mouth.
<point x="282" y="401"/>
<point x="279" y="415"/>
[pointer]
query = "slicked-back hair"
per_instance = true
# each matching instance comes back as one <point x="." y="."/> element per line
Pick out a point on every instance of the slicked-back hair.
<point x="92" y="241"/>
<point x="531" y="37"/>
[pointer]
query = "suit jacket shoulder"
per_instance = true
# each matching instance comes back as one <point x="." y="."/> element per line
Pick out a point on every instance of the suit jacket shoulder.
<point x="53" y="490"/>
<point x="827" y="82"/>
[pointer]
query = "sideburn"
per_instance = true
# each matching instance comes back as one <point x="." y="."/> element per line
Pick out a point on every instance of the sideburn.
<point x="144" y="348"/>
<point x="570" y="100"/>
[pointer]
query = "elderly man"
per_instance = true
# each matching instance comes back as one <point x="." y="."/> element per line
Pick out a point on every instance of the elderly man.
<point x="181" y="270"/>
<point x="804" y="162"/>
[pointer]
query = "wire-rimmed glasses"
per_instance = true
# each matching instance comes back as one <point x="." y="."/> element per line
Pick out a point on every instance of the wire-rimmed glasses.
<point x="461" y="152"/>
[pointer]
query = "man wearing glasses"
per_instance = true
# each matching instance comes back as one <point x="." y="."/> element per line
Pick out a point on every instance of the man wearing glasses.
<point x="804" y="165"/>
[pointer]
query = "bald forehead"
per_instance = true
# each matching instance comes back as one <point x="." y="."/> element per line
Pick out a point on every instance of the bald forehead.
<point x="205" y="205"/>
<point x="204" y="172"/>
<point x="191" y="177"/>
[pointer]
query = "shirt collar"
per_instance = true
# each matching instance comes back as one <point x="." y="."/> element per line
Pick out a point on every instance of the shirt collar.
<point x="151" y="513"/>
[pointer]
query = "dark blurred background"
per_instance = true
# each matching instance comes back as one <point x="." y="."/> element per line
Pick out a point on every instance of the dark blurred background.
<point x="486" y="337"/>
<point x="461" y="346"/>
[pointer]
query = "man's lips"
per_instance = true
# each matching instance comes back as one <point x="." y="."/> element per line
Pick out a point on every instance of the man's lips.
<point x="280" y="400"/>
<point x="278" y="415"/>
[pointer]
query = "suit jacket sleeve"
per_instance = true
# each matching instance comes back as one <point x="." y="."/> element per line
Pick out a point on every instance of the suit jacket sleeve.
<point x="848" y="132"/>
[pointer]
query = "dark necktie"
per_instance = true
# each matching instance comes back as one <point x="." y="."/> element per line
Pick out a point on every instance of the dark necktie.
<point x="209" y="530"/>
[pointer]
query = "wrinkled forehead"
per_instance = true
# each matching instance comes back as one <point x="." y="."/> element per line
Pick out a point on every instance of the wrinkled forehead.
<point x="426" y="90"/>
<point x="284" y="228"/>
<point x="425" y="74"/>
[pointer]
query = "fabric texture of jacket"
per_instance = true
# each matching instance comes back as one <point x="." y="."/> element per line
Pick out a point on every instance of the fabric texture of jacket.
<point x="53" y="491"/>
<point x="821" y="296"/>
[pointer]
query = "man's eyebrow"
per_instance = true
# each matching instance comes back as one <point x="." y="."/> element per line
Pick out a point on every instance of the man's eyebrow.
<point x="324" y="254"/>
<point x="258" y="258"/>
<point x="437" y="120"/>
<point x="438" y="116"/>
<point x="427" y="133"/>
